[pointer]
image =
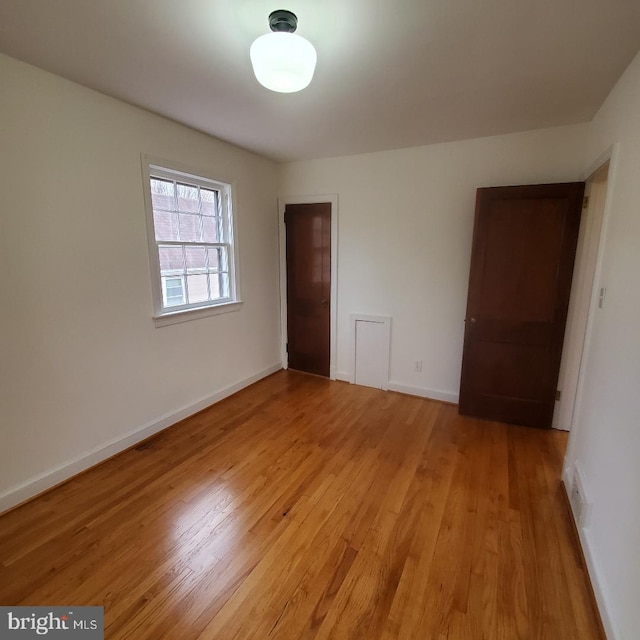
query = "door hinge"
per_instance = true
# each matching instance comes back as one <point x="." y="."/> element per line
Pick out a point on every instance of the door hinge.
<point x="558" y="394"/>
<point x="585" y="202"/>
<point x="286" y="347"/>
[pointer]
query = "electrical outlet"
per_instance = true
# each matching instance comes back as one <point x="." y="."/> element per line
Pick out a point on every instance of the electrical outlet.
<point x="601" y="297"/>
<point x="417" y="367"/>
<point x="576" y="502"/>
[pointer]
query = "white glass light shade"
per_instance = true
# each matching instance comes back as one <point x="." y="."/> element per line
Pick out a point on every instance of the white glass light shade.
<point x="283" y="62"/>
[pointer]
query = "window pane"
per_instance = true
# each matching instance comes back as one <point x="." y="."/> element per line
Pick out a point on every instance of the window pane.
<point x="197" y="288"/>
<point x="173" y="286"/>
<point x="224" y="258"/>
<point x="163" y="194"/>
<point x="188" y="198"/>
<point x="209" y="202"/>
<point x="173" y="292"/>
<point x="214" y="259"/>
<point x="189" y="227"/>
<point x="224" y="285"/>
<point x="196" y="258"/>
<point x="214" y="284"/>
<point x="166" y="225"/>
<point x="171" y="259"/>
<point x="211" y="229"/>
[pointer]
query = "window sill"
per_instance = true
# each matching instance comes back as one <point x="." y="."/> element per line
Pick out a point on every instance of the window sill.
<point x="195" y="314"/>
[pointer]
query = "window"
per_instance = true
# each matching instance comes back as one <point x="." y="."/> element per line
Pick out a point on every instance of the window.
<point x="191" y="242"/>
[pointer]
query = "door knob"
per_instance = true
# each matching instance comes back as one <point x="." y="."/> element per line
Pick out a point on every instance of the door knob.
<point x="324" y="302"/>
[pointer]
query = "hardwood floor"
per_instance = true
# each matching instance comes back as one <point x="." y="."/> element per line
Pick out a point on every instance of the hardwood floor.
<point x="301" y="508"/>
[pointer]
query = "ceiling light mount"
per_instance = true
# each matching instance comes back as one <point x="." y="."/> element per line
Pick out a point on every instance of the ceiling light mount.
<point x="282" y="20"/>
<point x="282" y="60"/>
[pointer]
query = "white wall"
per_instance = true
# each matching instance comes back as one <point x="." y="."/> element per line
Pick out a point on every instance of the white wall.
<point x="605" y="441"/>
<point x="404" y="237"/>
<point x="82" y="364"/>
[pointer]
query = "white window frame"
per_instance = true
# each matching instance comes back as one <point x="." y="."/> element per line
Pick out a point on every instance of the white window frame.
<point x="156" y="168"/>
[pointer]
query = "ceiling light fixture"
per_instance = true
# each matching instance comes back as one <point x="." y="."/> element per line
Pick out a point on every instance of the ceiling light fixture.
<point x="282" y="60"/>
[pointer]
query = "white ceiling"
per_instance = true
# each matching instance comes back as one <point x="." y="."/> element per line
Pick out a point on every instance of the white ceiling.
<point x="390" y="74"/>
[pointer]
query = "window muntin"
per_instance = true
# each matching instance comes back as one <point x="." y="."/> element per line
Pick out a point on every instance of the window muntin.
<point x="192" y="241"/>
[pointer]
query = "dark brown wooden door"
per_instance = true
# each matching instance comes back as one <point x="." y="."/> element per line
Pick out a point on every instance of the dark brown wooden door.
<point x="308" y="286"/>
<point x="524" y="245"/>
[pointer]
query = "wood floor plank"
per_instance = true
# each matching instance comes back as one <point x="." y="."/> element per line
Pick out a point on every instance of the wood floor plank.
<point x="305" y="509"/>
<point x="411" y="610"/>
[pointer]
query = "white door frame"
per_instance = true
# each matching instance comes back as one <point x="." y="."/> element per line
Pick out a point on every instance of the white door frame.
<point x="283" y="201"/>
<point x="609" y="156"/>
<point x="582" y="292"/>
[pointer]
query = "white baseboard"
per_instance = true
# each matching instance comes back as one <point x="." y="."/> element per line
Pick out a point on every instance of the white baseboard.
<point x="595" y="574"/>
<point x="432" y="394"/>
<point x="599" y="590"/>
<point x="20" y="493"/>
